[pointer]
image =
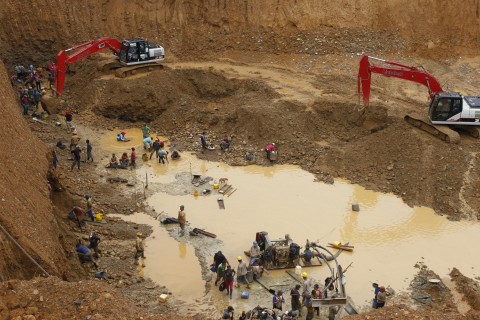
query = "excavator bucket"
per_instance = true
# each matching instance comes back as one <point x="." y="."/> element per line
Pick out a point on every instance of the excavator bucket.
<point x="364" y="79"/>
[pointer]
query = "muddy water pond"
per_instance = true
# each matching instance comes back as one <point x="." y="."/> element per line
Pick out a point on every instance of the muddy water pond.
<point x="390" y="238"/>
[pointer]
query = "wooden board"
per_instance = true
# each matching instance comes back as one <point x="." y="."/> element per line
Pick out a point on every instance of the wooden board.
<point x="203" y="232"/>
<point x="342" y="247"/>
<point x="230" y="192"/>
<point x="224" y="189"/>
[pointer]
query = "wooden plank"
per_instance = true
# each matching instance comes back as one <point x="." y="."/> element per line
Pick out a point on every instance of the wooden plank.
<point x="264" y="287"/>
<point x="203" y="232"/>
<point x="293" y="276"/>
<point x="230" y="193"/>
<point x="329" y="302"/>
<point x="228" y="186"/>
<point x="341" y="245"/>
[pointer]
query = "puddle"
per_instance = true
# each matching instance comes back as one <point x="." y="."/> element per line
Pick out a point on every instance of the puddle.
<point x="108" y="142"/>
<point x="168" y="262"/>
<point x="389" y="236"/>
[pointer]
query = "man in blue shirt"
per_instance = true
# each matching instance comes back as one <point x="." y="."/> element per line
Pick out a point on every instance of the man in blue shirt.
<point x="84" y="254"/>
<point x="147" y="143"/>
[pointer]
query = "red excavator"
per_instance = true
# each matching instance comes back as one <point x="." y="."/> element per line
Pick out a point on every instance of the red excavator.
<point x="447" y="109"/>
<point x="133" y="53"/>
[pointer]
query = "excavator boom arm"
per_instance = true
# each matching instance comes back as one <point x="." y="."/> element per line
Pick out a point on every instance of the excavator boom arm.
<point x="393" y="69"/>
<point x="81" y="51"/>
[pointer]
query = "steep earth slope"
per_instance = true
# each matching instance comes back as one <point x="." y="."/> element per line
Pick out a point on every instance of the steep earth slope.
<point x="193" y="26"/>
<point x="25" y="206"/>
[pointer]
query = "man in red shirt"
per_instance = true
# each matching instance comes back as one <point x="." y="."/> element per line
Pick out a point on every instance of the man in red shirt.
<point x="269" y="148"/>
<point x="133" y="156"/>
<point x="79" y="216"/>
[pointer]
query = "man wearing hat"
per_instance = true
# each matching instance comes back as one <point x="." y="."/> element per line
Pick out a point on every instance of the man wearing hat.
<point x="307" y="285"/>
<point x="242" y="272"/>
<point x="255" y="252"/>
<point x="182" y="218"/>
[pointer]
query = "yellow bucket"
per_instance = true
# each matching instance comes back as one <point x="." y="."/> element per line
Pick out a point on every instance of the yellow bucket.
<point x="216" y="186"/>
<point x="98" y="216"/>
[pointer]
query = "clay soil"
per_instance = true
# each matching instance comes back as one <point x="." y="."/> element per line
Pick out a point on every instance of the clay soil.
<point x="259" y="73"/>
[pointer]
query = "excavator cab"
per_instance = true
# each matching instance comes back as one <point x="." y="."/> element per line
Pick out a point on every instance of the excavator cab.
<point x="139" y="51"/>
<point x="445" y="107"/>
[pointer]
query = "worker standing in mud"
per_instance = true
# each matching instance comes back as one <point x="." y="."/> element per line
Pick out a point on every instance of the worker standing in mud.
<point x="203" y="140"/>
<point x="89" y="210"/>
<point x="242" y="272"/>
<point x="229" y="276"/>
<point x="155" y="148"/>
<point x="94" y="240"/>
<point x="295" y="294"/>
<point x="145" y="131"/>
<point x="182" y="219"/>
<point x="77" y="156"/>
<point x="140" y="248"/>
<point x="133" y="157"/>
<point x="68" y="120"/>
<point x="89" y="151"/>
<point x="307" y="285"/>
<point x="221" y="272"/>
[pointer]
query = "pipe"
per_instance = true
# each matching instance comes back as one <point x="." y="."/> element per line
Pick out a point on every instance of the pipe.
<point x="9" y="236"/>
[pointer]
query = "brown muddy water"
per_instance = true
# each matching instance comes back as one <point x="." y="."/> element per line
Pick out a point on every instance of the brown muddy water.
<point x="390" y="238"/>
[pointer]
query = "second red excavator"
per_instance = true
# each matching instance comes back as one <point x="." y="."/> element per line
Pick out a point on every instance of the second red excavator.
<point x="447" y="110"/>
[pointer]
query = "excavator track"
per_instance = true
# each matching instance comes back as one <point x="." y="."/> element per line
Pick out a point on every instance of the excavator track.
<point x="473" y="131"/>
<point x="440" y="131"/>
<point x="131" y="70"/>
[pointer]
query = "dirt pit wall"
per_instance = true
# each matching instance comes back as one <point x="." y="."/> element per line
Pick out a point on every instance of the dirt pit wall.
<point x="192" y="27"/>
<point x="25" y="206"/>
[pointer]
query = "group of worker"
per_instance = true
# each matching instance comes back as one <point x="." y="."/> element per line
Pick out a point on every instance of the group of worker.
<point x="124" y="161"/>
<point x="28" y="80"/>
<point x="224" y="144"/>
<point x="271" y="149"/>
<point x="302" y="295"/>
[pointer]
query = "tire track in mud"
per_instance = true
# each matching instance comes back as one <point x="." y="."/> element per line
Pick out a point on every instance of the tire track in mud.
<point x="467" y="181"/>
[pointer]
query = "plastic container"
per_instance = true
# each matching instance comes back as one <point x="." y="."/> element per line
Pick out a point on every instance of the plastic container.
<point x="250" y="275"/>
<point x="245" y="295"/>
<point x="195" y="193"/>
<point x="216" y="186"/>
<point x="355" y="207"/>
<point x="298" y="270"/>
<point x="98" y="216"/>
<point x="163" y="297"/>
